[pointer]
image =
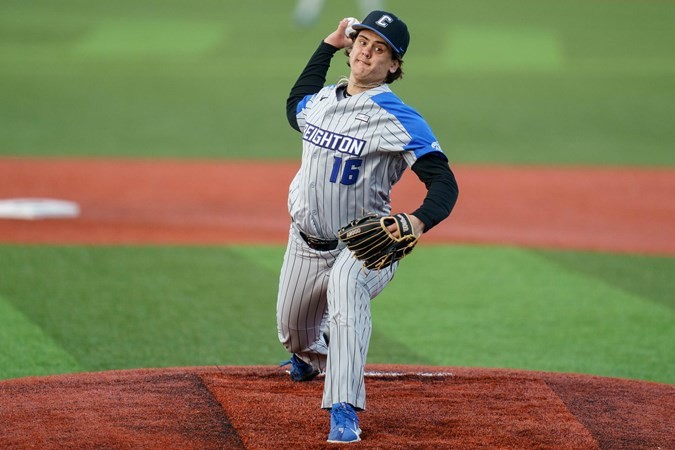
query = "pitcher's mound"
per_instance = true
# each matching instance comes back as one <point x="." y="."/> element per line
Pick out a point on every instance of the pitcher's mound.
<point x="408" y="407"/>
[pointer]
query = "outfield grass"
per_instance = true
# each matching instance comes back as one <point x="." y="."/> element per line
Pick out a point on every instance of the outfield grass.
<point x="524" y="81"/>
<point x="69" y="309"/>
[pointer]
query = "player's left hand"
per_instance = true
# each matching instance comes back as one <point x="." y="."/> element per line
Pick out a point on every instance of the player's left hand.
<point x="417" y="224"/>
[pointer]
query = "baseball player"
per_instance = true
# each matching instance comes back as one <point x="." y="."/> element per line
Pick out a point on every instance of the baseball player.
<point x="357" y="138"/>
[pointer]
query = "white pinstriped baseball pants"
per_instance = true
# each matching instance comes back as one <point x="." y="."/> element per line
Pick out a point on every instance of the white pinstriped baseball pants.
<point x="323" y="315"/>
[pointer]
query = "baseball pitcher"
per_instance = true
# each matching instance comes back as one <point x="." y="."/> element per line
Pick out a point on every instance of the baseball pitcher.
<point x="345" y="243"/>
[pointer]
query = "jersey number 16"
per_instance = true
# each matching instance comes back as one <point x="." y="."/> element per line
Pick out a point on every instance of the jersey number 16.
<point x="350" y="172"/>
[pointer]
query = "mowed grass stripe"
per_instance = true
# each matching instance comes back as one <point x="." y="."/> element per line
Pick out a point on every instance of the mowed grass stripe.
<point x="534" y="82"/>
<point x="127" y="307"/>
<point x="27" y="350"/>
<point x="138" y="38"/>
<point x="478" y="49"/>
<point x="510" y="307"/>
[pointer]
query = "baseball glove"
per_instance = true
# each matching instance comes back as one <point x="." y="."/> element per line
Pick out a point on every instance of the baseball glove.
<point x="371" y="242"/>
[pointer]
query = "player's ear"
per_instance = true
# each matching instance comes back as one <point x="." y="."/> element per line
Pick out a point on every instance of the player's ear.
<point x="395" y="64"/>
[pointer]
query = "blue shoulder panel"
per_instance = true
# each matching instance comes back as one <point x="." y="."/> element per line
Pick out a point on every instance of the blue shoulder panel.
<point x="302" y="103"/>
<point x="422" y="140"/>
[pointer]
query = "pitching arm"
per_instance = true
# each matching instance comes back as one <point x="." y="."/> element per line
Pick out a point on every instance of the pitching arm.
<point x="310" y="82"/>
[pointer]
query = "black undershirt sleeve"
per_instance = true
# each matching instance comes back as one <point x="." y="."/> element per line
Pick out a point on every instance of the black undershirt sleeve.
<point x="442" y="190"/>
<point x="310" y="81"/>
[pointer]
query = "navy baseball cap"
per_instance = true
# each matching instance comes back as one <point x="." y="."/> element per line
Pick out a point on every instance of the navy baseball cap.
<point x="390" y="27"/>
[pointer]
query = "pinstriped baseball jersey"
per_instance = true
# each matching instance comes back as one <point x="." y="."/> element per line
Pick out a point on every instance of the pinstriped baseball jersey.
<point x="354" y="150"/>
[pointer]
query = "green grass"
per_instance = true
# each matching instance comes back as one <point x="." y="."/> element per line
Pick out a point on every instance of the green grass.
<point x="138" y="307"/>
<point x="508" y="307"/>
<point x="526" y="81"/>
<point x="68" y="309"/>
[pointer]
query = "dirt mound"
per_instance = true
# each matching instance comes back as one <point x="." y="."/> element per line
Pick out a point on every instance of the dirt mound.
<point x="408" y="407"/>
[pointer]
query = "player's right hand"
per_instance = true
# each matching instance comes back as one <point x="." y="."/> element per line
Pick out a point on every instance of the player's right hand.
<point x="337" y="38"/>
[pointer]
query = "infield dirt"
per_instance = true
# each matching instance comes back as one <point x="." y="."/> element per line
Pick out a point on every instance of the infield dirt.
<point x="208" y="202"/>
<point x="619" y="209"/>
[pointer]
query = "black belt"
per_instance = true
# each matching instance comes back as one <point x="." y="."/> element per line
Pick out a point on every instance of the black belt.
<point x="319" y="244"/>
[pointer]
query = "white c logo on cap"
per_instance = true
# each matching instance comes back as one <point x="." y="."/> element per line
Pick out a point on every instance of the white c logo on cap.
<point x="384" y="21"/>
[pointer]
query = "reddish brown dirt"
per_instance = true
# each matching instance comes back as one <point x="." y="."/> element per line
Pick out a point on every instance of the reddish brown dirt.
<point x="187" y="202"/>
<point x="209" y="202"/>
<point x="260" y="408"/>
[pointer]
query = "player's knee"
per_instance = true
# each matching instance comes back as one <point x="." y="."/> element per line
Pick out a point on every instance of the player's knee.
<point x="293" y="342"/>
<point x="292" y="346"/>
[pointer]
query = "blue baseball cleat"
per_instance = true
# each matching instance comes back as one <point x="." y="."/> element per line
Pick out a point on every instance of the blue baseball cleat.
<point x="344" y="424"/>
<point x="300" y="370"/>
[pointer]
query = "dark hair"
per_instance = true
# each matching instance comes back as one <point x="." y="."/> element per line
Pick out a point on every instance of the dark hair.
<point x="391" y="77"/>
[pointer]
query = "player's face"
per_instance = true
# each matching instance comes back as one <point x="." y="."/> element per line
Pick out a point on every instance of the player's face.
<point x="371" y="59"/>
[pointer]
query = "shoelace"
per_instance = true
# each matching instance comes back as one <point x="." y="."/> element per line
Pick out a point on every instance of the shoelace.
<point x="346" y="416"/>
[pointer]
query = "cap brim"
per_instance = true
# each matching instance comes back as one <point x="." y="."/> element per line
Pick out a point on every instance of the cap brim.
<point x="361" y="26"/>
